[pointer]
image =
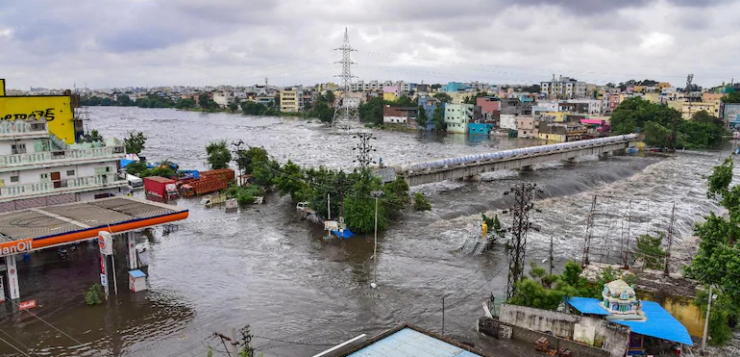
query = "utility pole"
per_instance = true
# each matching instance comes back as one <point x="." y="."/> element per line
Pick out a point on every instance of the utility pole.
<point x="374" y="284"/>
<point x="247" y="341"/>
<point x="552" y="264"/>
<point x="364" y="149"/>
<point x="670" y="241"/>
<point x="523" y="197"/>
<point x="443" y="315"/>
<point x="706" y="321"/>
<point x="232" y="346"/>
<point x="343" y="114"/>
<point x="328" y="206"/>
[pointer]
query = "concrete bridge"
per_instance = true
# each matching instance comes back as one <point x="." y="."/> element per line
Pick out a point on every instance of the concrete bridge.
<point x="472" y="166"/>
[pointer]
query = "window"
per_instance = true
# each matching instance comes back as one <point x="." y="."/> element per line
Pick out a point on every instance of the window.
<point x="38" y="126"/>
<point x="18" y="148"/>
<point x="70" y="172"/>
<point x="14" y="179"/>
<point x="44" y="176"/>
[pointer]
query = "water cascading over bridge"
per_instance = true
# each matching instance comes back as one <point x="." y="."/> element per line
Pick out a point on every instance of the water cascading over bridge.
<point x="469" y="166"/>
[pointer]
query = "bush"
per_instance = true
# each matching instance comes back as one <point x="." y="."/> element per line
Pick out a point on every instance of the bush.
<point x="93" y="295"/>
<point x="421" y="203"/>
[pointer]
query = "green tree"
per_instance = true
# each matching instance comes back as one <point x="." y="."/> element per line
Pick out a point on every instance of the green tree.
<point x="718" y="258"/>
<point x="650" y="250"/>
<point x="443" y="97"/>
<point x="186" y="103"/>
<point x="404" y="101"/>
<point x="290" y="181"/>
<point x="421" y="118"/>
<point x="135" y="142"/>
<point x="732" y="97"/>
<point x="233" y="106"/>
<point x="219" y="155"/>
<point x="330" y="98"/>
<point x="92" y="136"/>
<point x="206" y="103"/>
<point x="438" y="118"/>
<point x="421" y="203"/>
<point x="372" y="111"/>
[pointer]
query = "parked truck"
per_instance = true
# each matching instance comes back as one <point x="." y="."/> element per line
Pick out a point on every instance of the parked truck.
<point x="203" y="186"/>
<point x="160" y="189"/>
<point x="226" y="175"/>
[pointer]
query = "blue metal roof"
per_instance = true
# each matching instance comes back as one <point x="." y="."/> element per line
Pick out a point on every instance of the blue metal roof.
<point x="409" y="342"/>
<point x="587" y="306"/>
<point x="659" y="324"/>
<point x="137" y="274"/>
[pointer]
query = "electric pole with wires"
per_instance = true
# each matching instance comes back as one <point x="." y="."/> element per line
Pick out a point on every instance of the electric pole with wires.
<point x="364" y="149"/>
<point x="523" y="203"/>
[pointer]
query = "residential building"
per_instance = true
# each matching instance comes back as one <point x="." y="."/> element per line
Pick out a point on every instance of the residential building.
<point x="394" y="89"/>
<point x="422" y="89"/>
<point x="43" y="163"/>
<point x="390" y="96"/>
<point x="563" y="87"/>
<point x="457" y="117"/>
<point x="452" y="87"/>
<point x="264" y="100"/>
<point x="480" y="128"/>
<point x="223" y="98"/>
<point x="708" y="97"/>
<point x="290" y="100"/>
<point x="488" y="105"/>
<point x="399" y="115"/>
<point x="688" y="109"/>
<point x="526" y="127"/>
<point x="429" y="104"/>
<point x="508" y="121"/>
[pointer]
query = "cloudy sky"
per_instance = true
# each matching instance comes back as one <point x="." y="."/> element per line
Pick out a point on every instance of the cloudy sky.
<point x="107" y="43"/>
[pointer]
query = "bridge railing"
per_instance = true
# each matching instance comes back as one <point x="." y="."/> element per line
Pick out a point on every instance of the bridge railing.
<point x="514" y="153"/>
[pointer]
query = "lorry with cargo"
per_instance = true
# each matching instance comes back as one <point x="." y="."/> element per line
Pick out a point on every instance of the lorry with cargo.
<point x="208" y="182"/>
<point x="160" y="189"/>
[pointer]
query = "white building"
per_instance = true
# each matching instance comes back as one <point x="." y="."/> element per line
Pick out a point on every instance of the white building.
<point x="508" y="121"/>
<point x="37" y="169"/>
<point x="563" y="87"/>
<point x="223" y="98"/>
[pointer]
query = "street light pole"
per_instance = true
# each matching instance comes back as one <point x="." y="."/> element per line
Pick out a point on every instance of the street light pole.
<point x="374" y="284"/>
<point x="706" y="321"/>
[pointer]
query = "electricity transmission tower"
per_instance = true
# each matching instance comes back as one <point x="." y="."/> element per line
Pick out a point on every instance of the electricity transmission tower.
<point x="346" y="113"/>
<point x="523" y="204"/>
<point x="364" y="149"/>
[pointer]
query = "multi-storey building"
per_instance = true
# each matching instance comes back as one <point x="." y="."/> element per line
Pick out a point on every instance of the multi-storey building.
<point x="38" y="169"/>
<point x="457" y="117"/>
<point x="563" y="87"/>
<point x="290" y="100"/>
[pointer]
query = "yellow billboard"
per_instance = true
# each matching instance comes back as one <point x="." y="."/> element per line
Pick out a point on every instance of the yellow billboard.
<point x="2" y="87"/>
<point x="55" y="109"/>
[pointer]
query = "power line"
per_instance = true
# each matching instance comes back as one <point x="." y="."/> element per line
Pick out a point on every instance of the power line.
<point x="14" y="347"/>
<point x="44" y="321"/>
<point x="16" y="341"/>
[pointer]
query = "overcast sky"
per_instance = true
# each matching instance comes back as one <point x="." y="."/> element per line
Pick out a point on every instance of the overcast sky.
<point x="106" y="43"/>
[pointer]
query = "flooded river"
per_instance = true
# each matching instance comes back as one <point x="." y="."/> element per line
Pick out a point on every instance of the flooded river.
<point x="264" y="267"/>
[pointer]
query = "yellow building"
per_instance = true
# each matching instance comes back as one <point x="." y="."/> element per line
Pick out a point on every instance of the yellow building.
<point x="557" y="117"/>
<point x="55" y="109"/>
<point x="389" y="96"/>
<point x="289" y="101"/>
<point x="328" y="86"/>
<point x="652" y="97"/>
<point x="459" y="97"/>
<point x="689" y="109"/>
<point x="638" y="89"/>
<point x="711" y="97"/>
<point x="663" y="85"/>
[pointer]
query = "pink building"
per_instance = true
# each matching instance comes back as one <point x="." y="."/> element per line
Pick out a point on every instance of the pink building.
<point x="489" y="104"/>
<point x="392" y="89"/>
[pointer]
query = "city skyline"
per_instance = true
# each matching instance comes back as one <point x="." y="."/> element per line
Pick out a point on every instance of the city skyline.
<point x="149" y="43"/>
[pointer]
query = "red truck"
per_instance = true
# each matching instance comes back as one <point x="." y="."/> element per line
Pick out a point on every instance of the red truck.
<point x="226" y="175"/>
<point x="160" y="189"/>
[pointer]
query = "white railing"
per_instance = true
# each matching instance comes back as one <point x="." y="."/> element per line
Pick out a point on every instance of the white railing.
<point x="22" y="128"/>
<point x="60" y="156"/>
<point x="68" y="185"/>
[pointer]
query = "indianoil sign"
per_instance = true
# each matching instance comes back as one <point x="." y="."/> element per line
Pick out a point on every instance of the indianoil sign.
<point x="16" y="247"/>
<point x="56" y="110"/>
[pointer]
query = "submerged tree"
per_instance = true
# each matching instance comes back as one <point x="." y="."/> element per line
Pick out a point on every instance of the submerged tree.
<point x="135" y="142"/>
<point x="219" y="155"/>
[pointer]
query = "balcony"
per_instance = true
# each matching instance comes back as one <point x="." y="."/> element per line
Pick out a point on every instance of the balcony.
<point x="78" y="184"/>
<point x="59" y="157"/>
<point x="20" y="129"/>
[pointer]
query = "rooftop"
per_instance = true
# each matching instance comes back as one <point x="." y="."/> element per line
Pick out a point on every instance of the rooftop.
<point x="67" y="223"/>
<point x="408" y="340"/>
<point x="658" y="322"/>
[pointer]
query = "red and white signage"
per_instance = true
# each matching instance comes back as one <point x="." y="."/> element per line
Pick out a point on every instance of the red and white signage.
<point x="105" y="242"/>
<point x="14" y="292"/>
<point x="27" y="305"/>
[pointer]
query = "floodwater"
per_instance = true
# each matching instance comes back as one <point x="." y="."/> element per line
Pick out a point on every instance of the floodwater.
<point x="300" y="294"/>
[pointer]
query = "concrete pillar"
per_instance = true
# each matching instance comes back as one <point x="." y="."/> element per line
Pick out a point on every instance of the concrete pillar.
<point x="526" y="168"/>
<point x="14" y="290"/>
